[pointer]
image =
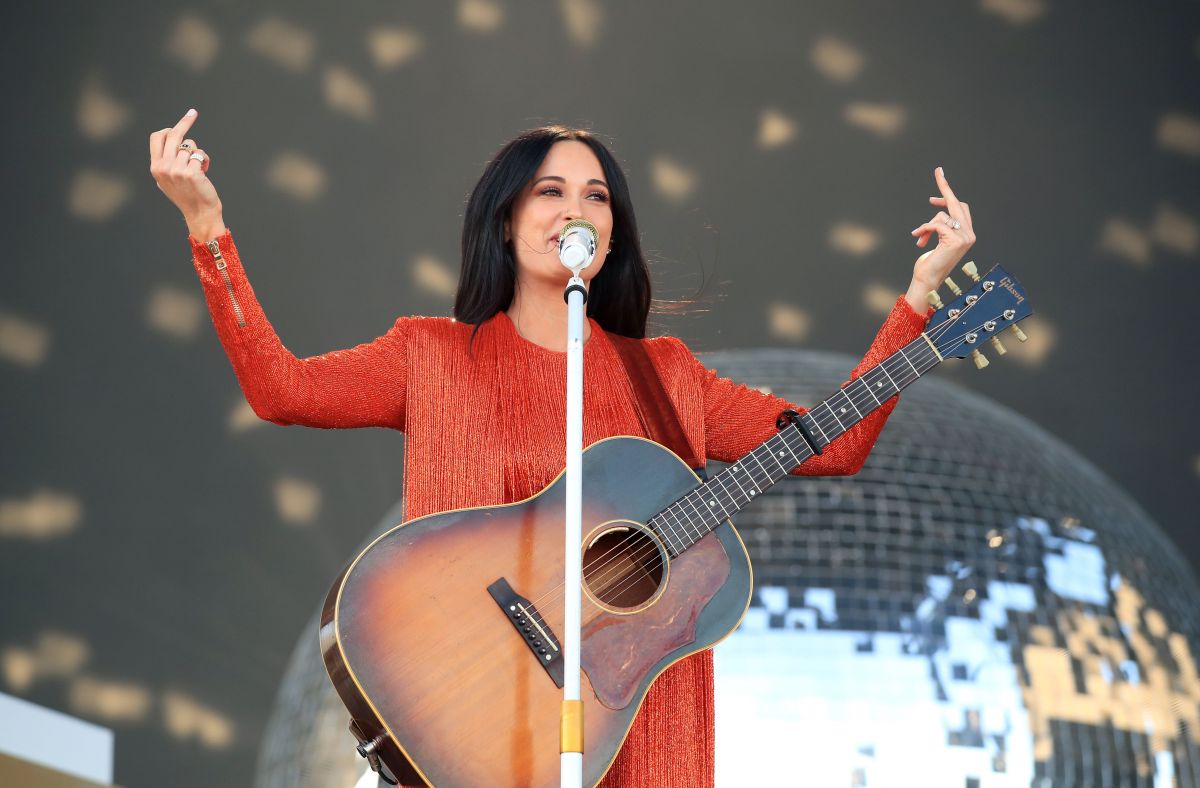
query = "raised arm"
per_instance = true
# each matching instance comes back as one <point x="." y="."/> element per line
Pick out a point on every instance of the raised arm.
<point x="364" y="386"/>
<point x="738" y="418"/>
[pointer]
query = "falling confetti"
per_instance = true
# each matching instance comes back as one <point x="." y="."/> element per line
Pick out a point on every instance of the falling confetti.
<point x="283" y="43"/>
<point x="193" y="43"/>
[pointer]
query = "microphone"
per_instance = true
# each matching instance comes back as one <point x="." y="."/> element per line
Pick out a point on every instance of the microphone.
<point x="577" y="244"/>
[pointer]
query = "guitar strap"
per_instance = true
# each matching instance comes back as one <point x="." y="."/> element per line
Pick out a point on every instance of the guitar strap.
<point x="654" y="408"/>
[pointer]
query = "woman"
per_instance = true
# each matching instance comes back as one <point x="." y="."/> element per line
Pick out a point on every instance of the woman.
<point x="503" y="356"/>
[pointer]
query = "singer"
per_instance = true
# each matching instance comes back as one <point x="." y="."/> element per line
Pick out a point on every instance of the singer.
<point x="500" y="362"/>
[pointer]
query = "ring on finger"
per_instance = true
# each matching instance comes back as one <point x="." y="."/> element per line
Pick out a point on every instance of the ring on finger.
<point x="198" y="156"/>
<point x="955" y="224"/>
<point x="185" y="146"/>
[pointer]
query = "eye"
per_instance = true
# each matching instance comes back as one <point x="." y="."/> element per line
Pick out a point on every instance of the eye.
<point x="600" y="196"/>
<point x="551" y="191"/>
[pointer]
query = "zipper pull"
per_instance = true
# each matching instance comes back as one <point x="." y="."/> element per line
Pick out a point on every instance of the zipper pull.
<point x="215" y="248"/>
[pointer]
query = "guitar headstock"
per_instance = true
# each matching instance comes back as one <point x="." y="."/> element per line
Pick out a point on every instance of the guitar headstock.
<point x="995" y="302"/>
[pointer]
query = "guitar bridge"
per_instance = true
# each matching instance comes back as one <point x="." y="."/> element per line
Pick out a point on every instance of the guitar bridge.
<point x="532" y="629"/>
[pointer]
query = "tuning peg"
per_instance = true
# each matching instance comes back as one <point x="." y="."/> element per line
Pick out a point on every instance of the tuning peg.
<point x="979" y="359"/>
<point x="970" y="270"/>
<point x="1017" y="330"/>
<point x="1000" y="350"/>
<point x="954" y="288"/>
<point x="934" y="299"/>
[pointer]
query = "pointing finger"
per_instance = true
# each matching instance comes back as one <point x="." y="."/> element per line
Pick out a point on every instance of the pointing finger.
<point x="175" y="135"/>
<point x="952" y="206"/>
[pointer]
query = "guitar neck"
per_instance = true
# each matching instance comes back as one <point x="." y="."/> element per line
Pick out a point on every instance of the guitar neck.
<point x="689" y="519"/>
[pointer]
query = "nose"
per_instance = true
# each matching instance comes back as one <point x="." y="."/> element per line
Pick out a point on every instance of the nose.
<point x="573" y="208"/>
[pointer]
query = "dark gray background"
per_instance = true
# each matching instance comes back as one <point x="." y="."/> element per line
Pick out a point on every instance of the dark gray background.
<point x="181" y="578"/>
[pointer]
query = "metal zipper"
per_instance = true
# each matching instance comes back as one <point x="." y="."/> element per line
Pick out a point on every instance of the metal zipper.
<point x="215" y="248"/>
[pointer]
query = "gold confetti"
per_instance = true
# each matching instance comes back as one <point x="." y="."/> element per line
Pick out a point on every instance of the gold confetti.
<point x="1175" y="230"/>
<point x="672" y="180"/>
<point x="1015" y="12"/>
<point x="775" y="129"/>
<point x="242" y="417"/>
<point x="296" y="176"/>
<point x="60" y="655"/>
<point x="100" y="115"/>
<point x="879" y="298"/>
<point x="193" y="43"/>
<point x="297" y="501"/>
<point x="22" y="341"/>
<point x="884" y="120"/>
<point x="1122" y="238"/>
<point x="584" y="21"/>
<point x="787" y="322"/>
<point x="1034" y="351"/>
<point x="45" y="514"/>
<point x="186" y="718"/>
<point x="114" y="701"/>
<point x="96" y="195"/>
<point x="853" y="239"/>
<point x="836" y="59"/>
<point x="480" y="16"/>
<point x="393" y="47"/>
<point x="174" y="312"/>
<point x="348" y="94"/>
<point x="433" y="275"/>
<point x="20" y="668"/>
<point x="1179" y="133"/>
<point x="283" y="43"/>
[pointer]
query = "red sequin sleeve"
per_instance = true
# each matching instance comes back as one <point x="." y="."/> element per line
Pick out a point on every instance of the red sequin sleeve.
<point x="738" y="418"/>
<point x="363" y="386"/>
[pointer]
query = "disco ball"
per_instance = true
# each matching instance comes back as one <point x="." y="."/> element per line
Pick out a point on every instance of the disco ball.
<point x="978" y="607"/>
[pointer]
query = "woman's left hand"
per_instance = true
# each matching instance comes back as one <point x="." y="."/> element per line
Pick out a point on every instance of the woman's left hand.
<point x="955" y="235"/>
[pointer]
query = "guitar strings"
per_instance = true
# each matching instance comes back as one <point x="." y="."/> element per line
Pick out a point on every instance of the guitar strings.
<point x="653" y="550"/>
<point x="604" y="566"/>
<point x="547" y="603"/>
<point x="937" y="331"/>
<point x="549" y="598"/>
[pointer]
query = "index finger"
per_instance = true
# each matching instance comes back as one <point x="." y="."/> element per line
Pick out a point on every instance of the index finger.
<point x="175" y="135"/>
<point x="952" y="206"/>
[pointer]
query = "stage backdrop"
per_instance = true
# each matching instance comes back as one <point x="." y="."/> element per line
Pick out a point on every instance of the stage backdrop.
<point x="160" y="547"/>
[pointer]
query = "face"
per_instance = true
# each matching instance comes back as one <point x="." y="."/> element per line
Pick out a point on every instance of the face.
<point x="568" y="185"/>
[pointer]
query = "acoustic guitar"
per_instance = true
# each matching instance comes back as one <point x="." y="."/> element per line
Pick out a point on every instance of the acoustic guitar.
<point x="443" y="637"/>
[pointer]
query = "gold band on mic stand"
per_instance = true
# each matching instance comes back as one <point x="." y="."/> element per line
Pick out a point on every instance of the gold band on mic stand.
<point x="570" y="737"/>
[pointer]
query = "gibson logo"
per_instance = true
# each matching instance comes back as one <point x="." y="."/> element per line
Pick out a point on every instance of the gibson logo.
<point x="1007" y="284"/>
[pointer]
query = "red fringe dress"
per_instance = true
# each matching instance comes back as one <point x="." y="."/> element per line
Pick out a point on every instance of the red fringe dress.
<point x="419" y="378"/>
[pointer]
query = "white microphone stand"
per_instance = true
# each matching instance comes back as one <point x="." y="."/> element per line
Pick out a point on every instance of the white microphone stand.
<point x="571" y="721"/>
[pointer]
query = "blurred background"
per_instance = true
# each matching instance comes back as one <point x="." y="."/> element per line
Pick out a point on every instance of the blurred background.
<point x="162" y="550"/>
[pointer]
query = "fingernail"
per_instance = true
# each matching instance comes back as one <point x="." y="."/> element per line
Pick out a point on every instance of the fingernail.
<point x="191" y="113"/>
<point x="941" y="172"/>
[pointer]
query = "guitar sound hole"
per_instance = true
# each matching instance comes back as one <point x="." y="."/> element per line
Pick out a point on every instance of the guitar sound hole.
<point x="623" y="567"/>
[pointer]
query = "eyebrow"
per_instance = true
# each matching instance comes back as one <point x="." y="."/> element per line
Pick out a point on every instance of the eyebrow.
<point x="564" y="180"/>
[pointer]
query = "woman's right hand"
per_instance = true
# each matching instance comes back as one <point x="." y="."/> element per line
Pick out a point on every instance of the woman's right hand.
<point x="183" y="179"/>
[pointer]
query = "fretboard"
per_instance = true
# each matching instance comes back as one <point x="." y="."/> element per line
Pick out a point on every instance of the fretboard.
<point x="686" y="521"/>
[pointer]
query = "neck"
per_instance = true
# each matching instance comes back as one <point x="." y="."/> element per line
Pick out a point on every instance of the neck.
<point x="539" y="313"/>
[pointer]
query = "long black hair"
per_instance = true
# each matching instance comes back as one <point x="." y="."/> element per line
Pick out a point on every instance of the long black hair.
<point x="618" y="296"/>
